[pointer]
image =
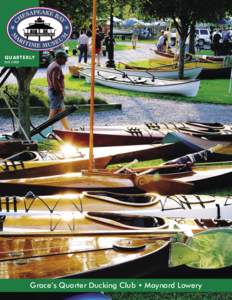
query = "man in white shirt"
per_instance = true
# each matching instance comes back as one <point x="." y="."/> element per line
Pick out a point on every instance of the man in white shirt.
<point x="83" y="46"/>
<point x="160" y="44"/>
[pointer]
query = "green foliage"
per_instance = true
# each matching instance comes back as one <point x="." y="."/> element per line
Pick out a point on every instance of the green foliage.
<point x="37" y="96"/>
<point x="80" y="11"/>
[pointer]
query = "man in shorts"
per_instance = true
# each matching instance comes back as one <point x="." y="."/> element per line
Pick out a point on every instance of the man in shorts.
<point x="55" y="80"/>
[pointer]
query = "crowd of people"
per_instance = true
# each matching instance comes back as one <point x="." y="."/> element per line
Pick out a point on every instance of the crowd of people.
<point x="221" y="41"/>
<point x="85" y="43"/>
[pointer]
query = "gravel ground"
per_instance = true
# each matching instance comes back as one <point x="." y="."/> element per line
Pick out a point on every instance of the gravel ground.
<point x="139" y="110"/>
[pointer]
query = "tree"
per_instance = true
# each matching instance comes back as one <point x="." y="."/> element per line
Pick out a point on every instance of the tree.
<point x="184" y="15"/>
<point x="24" y="77"/>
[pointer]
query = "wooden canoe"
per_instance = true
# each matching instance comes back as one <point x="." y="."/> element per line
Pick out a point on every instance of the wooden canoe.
<point x="188" y="88"/>
<point x="10" y="147"/>
<point x="149" y="204"/>
<point x="37" y="164"/>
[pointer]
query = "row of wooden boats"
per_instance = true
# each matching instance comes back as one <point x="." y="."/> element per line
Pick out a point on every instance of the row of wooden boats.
<point x="214" y="71"/>
<point x="122" y="221"/>
<point x="145" y="134"/>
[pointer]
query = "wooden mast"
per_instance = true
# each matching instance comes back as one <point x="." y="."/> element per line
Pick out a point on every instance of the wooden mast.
<point x="91" y="125"/>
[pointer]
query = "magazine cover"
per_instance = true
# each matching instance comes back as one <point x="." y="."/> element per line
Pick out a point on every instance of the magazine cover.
<point x="116" y="149"/>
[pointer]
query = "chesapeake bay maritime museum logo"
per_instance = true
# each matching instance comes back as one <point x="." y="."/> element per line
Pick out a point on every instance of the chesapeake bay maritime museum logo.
<point x="39" y="28"/>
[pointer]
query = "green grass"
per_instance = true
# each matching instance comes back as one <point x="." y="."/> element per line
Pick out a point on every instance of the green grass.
<point x="205" y="52"/>
<point x="122" y="47"/>
<point x="211" y="91"/>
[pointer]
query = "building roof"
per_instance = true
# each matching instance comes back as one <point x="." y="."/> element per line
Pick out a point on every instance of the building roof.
<point x="39" y="26"/>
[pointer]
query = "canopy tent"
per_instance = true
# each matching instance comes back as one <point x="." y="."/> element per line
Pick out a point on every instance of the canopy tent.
<point x="116" y="21"/>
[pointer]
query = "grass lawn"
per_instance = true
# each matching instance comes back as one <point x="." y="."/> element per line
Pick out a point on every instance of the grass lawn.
<point x="118" y="47"/>
<point x="205" y="52"/>
<point x="211" y="91"/>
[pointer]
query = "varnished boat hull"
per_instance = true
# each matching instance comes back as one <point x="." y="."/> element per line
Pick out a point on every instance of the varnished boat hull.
<point x="11" y="147"/>
<point x="81" y="139"/>
<point x="86" y="264"/>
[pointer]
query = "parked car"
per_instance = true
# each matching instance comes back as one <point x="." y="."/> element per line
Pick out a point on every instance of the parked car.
<point x="203" y="40"/>
<point x="46" y="57"/>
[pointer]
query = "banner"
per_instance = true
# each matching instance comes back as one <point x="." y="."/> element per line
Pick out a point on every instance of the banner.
<point x="11" y="55"/>
<point x="115" y="285"/>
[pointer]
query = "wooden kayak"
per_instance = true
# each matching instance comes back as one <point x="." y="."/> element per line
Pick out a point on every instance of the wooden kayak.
<point x="161" y="126"/>
<point x="188" y="88"/>
<point x="155" y="132"/>
<point x="10" y="147"/>
<point x="119" y="138"/>
<point x="148" y="204"/>
<point x="97" y="180"/>
<point x="223" y="148"/>
<point x="202" y="176"/>
<point x="37" y="164"/>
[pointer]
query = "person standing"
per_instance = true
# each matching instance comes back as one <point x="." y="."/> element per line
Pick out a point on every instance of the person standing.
<point x="160" y="44"/>
<point x="135" y="36"/>
<point x="55" y="79"/>
<point x="83" y="46"/>
<point x="99" y="40"/>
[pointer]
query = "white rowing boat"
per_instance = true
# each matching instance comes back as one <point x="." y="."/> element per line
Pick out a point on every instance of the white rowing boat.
<point x="187" y="88"/>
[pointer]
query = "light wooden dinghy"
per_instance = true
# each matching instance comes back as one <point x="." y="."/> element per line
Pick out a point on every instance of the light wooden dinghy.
<point x="161" y="73"/>
<point x="188" y="88"/>
<point x="149" y="204"/>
